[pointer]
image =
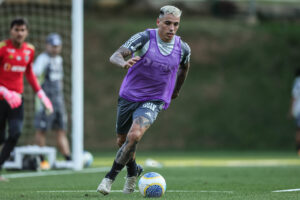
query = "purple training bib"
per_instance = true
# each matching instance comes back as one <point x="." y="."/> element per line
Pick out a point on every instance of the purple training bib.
<point x="154" y="76"/>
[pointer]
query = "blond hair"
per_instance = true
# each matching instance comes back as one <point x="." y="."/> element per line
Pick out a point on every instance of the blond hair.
<point x="169" y="10"/>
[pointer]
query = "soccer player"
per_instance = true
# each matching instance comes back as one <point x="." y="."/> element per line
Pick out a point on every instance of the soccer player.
<point x="16" y="57"/>
<point x="49" y="68"/>
<point x="156" y="72"/>
<point x="295" y="107"/>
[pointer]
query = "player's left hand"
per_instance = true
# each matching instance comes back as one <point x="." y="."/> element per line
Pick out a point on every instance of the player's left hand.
<point x="129" y="63"/>
<point x="46" y="101"/>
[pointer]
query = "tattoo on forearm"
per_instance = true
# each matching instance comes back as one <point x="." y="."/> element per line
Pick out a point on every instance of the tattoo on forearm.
<point x="126" y="153"/>
<point x="124" y="52"/>
<point x="142" y="122"/>
<point x="119" y="56"/>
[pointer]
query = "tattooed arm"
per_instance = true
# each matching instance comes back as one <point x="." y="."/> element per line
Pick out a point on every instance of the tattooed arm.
<point x="134" y="44"/>
<point x="118" y="58"/>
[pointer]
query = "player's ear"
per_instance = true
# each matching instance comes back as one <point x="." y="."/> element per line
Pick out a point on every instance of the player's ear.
<point x="157" y="21"/>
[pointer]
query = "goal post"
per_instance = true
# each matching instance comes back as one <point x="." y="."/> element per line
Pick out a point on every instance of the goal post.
<point x="77" y="86"/>
<point x="64" y="17"/>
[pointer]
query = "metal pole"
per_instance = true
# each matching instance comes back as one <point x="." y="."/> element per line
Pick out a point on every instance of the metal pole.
<point x="77" y="83"/>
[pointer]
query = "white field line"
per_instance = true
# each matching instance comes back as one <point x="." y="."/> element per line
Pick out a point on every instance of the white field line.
<point x="54" y="173"/>
<point x="289" y="190"/>
<point x="119" y="191"/>
<point x="212" y="191"/>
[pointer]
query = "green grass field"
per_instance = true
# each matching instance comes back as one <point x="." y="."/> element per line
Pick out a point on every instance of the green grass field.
<point x="189" y="175"/>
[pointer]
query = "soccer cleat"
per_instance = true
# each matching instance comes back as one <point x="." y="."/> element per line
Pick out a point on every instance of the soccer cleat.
<point x="105" y="186"/>
<point x="44" y="165"/>
<point x="130" y="182"/>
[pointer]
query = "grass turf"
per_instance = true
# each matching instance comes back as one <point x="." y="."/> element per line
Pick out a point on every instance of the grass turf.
<point x="203" y="176"/>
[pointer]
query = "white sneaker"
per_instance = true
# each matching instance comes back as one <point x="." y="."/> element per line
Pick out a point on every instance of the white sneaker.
<point x="131" y="181"/>
<point x="129" y="185"/>
<point x="105" y="186"/>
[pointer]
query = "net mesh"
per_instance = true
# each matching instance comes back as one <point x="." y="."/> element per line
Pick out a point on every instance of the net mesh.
<point x="44" y="17"/>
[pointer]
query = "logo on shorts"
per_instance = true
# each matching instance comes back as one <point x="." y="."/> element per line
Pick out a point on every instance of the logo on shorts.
<point x="148" y="114"/>
<point x="150" y="106"/>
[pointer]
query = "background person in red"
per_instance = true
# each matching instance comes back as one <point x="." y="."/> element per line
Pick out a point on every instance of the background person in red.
<point x="16" y="58"/>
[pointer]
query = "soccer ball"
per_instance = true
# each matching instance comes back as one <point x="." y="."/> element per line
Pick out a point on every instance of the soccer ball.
<point x="152" y="184"/>
<point x="87" y="159"/>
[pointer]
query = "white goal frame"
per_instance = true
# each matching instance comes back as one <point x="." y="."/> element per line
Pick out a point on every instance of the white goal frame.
<point x="77" y="83"/>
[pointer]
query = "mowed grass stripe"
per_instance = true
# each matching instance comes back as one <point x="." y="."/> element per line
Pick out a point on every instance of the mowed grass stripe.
<point x="54" y="173"/>
<point x="231" y="163"/>
<point x="215" y="162"/>
<point x="188" y="183"/>
<point x="121" y="191"/>
<point x="170" y="163"/>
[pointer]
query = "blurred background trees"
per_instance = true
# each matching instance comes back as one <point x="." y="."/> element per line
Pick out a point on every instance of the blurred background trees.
<point x="237" y="94"/>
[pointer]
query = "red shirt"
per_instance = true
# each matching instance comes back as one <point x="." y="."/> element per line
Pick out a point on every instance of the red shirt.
<point x="14" y="62"/>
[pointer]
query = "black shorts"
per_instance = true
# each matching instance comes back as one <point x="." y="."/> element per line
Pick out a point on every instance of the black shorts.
<point x="56" y="121"/>
<point x="129" y="110"/>
<point x="12" y="117"/>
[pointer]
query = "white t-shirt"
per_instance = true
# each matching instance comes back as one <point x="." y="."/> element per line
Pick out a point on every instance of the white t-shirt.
<point x="139" y="44"/>
<point x="50" y="65"/>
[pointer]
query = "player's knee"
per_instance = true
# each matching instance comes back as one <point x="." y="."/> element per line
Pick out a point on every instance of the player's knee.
<point x="14" y="134"/>
<point x="134" y="136"/>
<point x="15" y="128"/>
<point x="59" y="133"/>
<point x="13" y="137"/>
<point x="41" y="133"/>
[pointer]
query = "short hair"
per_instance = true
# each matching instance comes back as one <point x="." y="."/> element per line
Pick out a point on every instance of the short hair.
<point x="169" y="10"/>
<point x="19" y="22"/>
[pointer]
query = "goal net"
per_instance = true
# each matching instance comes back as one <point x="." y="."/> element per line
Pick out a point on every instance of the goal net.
<point x="44" y="17"/>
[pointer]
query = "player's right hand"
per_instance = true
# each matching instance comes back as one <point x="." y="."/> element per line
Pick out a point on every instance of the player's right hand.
<point x="129" y="63"/>
<point x="46" y="101"/>
<point x="13" y="98"/>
